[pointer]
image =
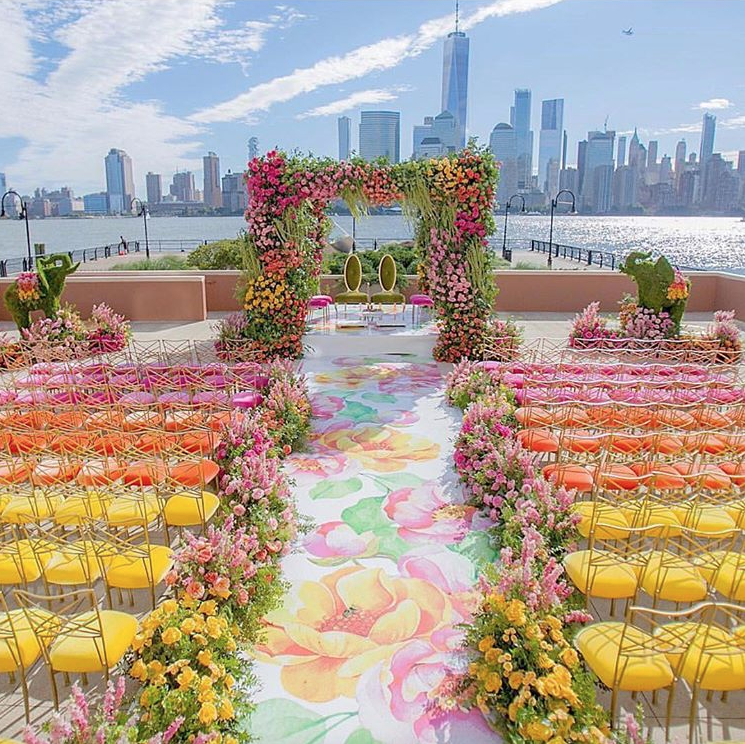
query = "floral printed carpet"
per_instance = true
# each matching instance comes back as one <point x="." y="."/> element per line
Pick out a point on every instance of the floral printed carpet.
<point x="381" y="583"/>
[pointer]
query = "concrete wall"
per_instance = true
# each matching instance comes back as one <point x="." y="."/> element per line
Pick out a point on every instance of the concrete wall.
<point x="189" y="296"/>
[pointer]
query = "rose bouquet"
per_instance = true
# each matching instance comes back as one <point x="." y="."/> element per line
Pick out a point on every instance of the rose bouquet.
<point x="108" y="331"/>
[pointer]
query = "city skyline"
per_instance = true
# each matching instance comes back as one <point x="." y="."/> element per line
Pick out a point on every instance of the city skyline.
<point x="169" y="81"/>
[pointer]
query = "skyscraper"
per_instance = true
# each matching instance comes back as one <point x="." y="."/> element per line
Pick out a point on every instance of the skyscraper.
<point x="708" y="129"/>
<point x="741" y="162"/>
<point x="621" y="157"/>
<point x="154" y="185"/>
<point x="455" y="80"/>
<point x="3" y="184"/>
<point x="234" y="196"/>
<point x="120" y="185"/>
<point x="441" y="134"/>
<point x="212" y="190"/>
<point x="652" y="153"/>
<point x="637" y="153"/>
<point x="183" y="187"/>
<point x="680" y="156"/>
<point x="380" y="135"/>
<point x="550" y="144"/>
<point x="598" y="175"/>
<point x="344" y="124"/>
<point x="253" y="148"/>
<point x="503" y="145"/>
<point x="520" y="120"/>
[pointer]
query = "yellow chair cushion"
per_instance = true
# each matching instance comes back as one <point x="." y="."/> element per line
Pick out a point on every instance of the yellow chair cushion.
<point x="133" y="511"/>
<point x="31" y="508"/>
<point x="185" y="509"/>
<point x="133" y="570"/>
<point x="606" y="521"/>
<point x="640" y="514"/>
<point x="75" y="566"/>
<point x="81" y="506"/>
<point x="736" y="510"/>
<point x="23" y="648"/>
<point x="715" y="661"/>
<point x="704" y="517"/>
<point x="77" y="650"/>
<point x="600" y="574"/>
<point x="627" y="660"/>
<point x="19" y="564"/>
<point x="679" y="636"/>
<point x="725" y="571"/>
<point x="670" y="577"/>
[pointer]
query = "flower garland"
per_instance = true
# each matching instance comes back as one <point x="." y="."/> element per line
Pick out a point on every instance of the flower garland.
<point x="523" y="674"/>
<point x="195" y="685"/>
<point x="451" y="197"/>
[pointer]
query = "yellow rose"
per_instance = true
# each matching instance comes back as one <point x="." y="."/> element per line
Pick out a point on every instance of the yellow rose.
<point x="214" y="627"/>
<point x="493" y="682"/>
<point x="169" y="606"/>
<point x="486" y="643"/>
<point x="204" y="657"/>
<point x="138" y="642"/>
<point x="512" y="710"/>
<point x="155" y="667"/>
<point x="569" y="657"/>
<point x="209" y="607"/>
<point x="538" y="731"/>
<point x="491" y="656"/>
<point x="171" y="636"/>
<point x="200" y="639"/>
<point x="186" y="677"/>
<point x="158" y="680"/>
<point x="231" y="645"/>
<point x="226" y="709"/>
<point x="515" y="612"/>
<point x="188" y="626"/>
<point x="139" y="670"/>
<point x="544" y="662"/>
<point x="207" y="714"/>
<point x="229" y="681"/>
<point x="515" y="680"/>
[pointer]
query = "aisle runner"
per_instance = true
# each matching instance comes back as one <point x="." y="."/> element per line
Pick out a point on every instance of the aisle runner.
<point x="380" y="584"/>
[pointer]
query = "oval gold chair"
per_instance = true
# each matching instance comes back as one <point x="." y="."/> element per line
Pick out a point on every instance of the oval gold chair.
<point x="387" y="275"/>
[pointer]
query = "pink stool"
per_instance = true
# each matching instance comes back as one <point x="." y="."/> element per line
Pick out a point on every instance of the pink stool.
<point x="418" y="301"/>
<point x="247" y="399"/>
<point x="321" y="302"/>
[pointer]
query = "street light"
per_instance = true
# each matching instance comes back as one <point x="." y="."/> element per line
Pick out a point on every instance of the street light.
<point x="142" y="211"/>
<point x="505" y="253"/>
<point x="22" y="215"/>
<point x="554" y="204"/>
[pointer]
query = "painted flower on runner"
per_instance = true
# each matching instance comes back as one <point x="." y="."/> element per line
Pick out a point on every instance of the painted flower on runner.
<point x="337" y="541"/>
<point x="344" y="625"/>
<point x="425" y="514"/>
<point x="379" y="448"/>
<point x="325" y="406"/>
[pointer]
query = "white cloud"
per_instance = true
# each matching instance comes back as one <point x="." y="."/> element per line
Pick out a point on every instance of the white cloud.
<point x="360" y="98"/>
<point x="381" y="55"/>
<point x="736" y="122"/>
<point x="714" y="104"/>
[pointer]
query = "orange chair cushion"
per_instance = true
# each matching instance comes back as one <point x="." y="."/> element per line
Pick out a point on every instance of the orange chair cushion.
<point x="569" y="476"/>
<point x="532" y="416"/>
<point x="616" y="478"/>
<point x="194" y="473"/>
<point x="145" y="473"/>
<point x="538" y="440"/>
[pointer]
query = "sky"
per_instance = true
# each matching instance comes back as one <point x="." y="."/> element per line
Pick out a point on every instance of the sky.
<point x="168" y="80"/>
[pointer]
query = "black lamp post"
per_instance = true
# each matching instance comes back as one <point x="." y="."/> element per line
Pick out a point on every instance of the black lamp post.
<point x="22" y="215"/>
<point x="142" y="211"/>
<point x="554" y="204"/>
<point x="507" y="253"/>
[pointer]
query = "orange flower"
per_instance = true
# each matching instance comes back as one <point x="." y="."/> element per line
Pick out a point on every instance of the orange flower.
<point x="344" y="625"/>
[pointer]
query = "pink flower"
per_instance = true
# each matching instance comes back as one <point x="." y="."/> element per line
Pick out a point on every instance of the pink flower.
<point x="325" y="406"/>
<point x="338" y="540"/>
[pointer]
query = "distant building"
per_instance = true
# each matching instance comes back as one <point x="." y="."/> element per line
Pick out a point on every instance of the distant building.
<point x="652" y="153"/>
<point x="665" y="174"/>
<point x="120" y="184"/>
<point x="344" y="126"/>
<point x="708" y="131"/>
<point x="680" y="155"/>
<point x="154" y="184"/>
<point x="3" y="184"/>
<point x="212" y="192"/>
<point x="740" y="162"/>
<point x="183" y="188"/>
<point x="598" y="172"/>
<point x="721" y="184"/>
<point x="96" y="203"/>
<point x="441" y="128"/>
<point x="568" y="179"/>
<point x="234" y="195"/>
<point x="581" y="158"/>
<point x="621" y="152"/>
<point x="625" y="184"/>
<point x="253" y="149"/>
<point x="455" y="81"/>
<point x="380" y="135"/>
<point x="503" y="146"/>
<point x="550" y="144"/>
<point x="520" y="120"/>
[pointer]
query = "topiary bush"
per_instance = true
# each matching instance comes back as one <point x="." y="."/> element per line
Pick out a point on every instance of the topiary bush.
<point x="218" y="256"/>
<point x="405" y="257"/>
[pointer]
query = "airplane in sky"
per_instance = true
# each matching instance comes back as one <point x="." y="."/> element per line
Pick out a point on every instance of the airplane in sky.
<point x="628" y="31"/>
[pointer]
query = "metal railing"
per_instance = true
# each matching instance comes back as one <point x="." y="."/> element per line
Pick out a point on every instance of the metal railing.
<point x="589" y="256"/>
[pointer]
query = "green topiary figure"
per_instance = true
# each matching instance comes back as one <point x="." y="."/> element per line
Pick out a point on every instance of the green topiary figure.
<point x="659" y="286"/>
<point x="41" y="290"/>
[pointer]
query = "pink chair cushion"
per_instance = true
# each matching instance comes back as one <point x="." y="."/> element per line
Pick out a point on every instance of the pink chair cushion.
<point x="247" y="399"/>
<point x="421" y="300"/>
<point x="328" y="298"/>
<point x="318" y="301"/>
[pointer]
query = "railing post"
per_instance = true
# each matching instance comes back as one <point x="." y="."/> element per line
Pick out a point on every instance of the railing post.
<point x="589" y="257"/>
<point x="3" y="268"/>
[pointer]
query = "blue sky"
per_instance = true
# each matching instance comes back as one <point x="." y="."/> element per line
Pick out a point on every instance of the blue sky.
<point x="167" y="80"/>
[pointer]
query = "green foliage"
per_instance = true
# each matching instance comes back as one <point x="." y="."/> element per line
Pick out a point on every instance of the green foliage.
<point x="405" y="257"/>
<point x="163" y="263"/>
<point x="52" y="271"/>
<point x="479" y="271"/>
<point x="218" y="256"/>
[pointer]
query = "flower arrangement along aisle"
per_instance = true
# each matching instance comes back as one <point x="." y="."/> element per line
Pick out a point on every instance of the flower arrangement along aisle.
<point x="189" y="655"/>
<point x="450" y="198"/>
<point x="523" y="673"/>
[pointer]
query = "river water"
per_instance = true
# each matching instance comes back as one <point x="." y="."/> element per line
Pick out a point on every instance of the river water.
<point x="695" y="242"/>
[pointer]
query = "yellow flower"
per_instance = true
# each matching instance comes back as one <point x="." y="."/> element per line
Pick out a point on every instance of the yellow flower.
<point x="486" y="643"/>
<point x="138" y="642"/>
<point x="493" y="682"/>
<point x="229" y="681"/>
<point x="569" y="657"/>
<point x="139" y="670"/>
<point x="533" y="632"/>
<point x="515" y="612"/>
<point x="186" y="677"/>
<point x="538" y="731"/>
<point x="207" y="714"/>
<point x="491" y="656"/>
<point x="226" y="709"/>
<point x="188" y="626"/>
<point x="171" y="636"/>
<point x="214" y="627"/>
<point x="204" y="657"/>
<point x="544" y="662"/>
<point x="231" y="644"/>
<point x="514" y="706"/>
<point x="200" y="639"/>
<point x="515" y="680"/>
<point x="169" y="606"/>
<point x="209" y="607"/>
<point x="158" y="680"/>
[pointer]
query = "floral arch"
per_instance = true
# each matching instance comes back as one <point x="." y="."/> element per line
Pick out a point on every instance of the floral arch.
<point x="449" y="199"/>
